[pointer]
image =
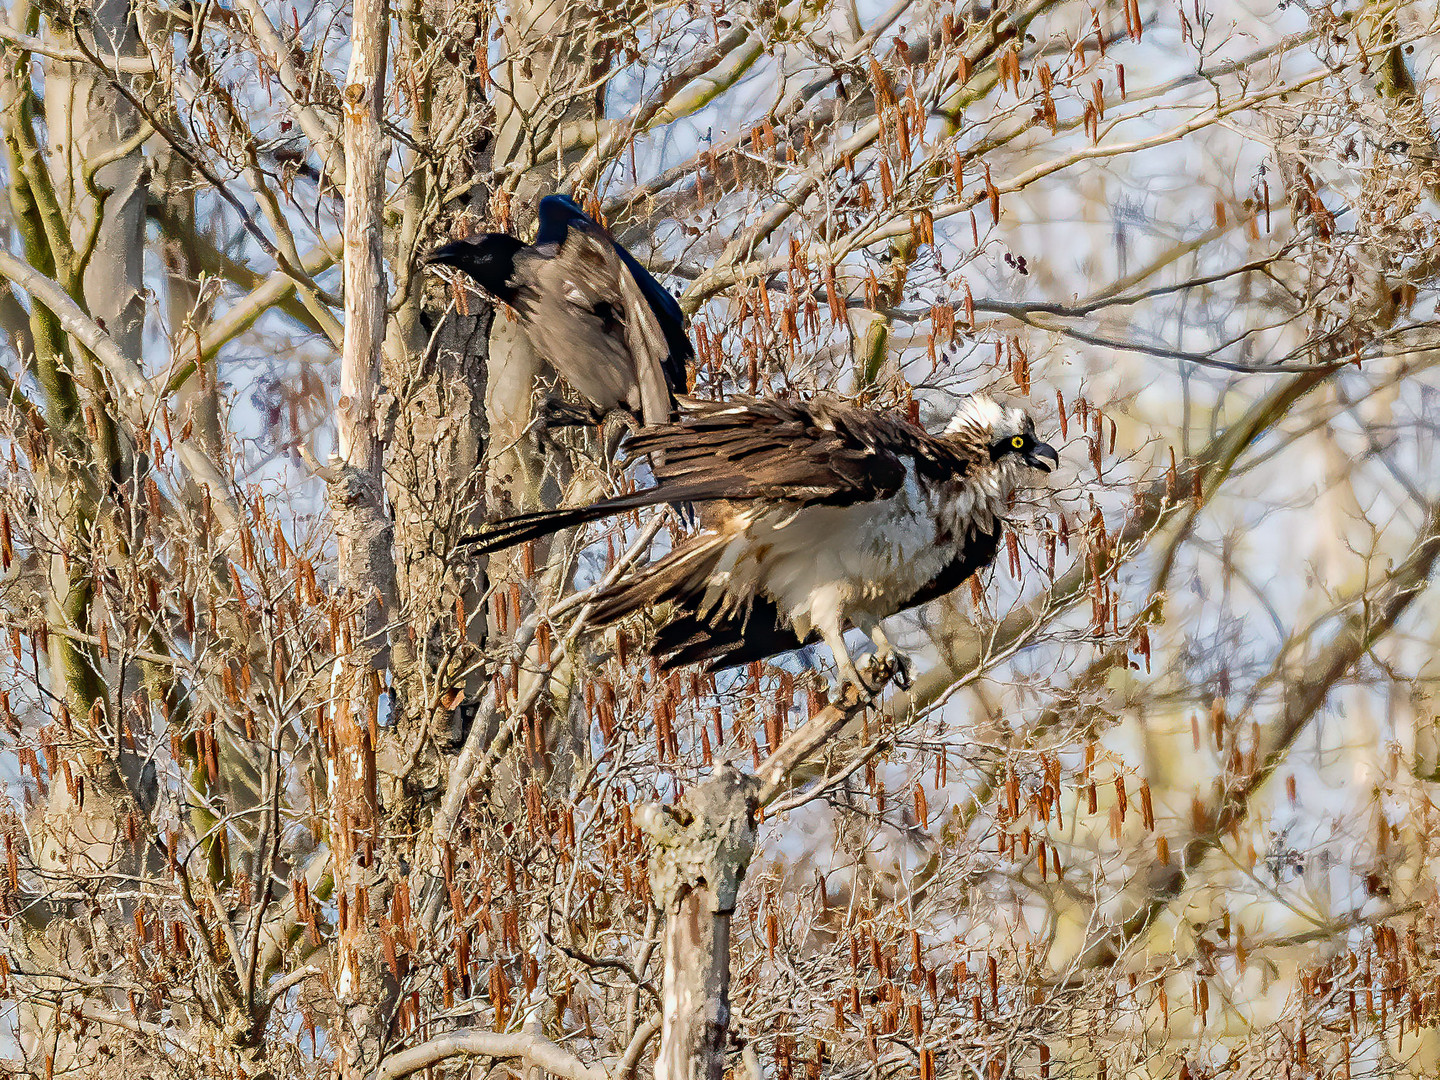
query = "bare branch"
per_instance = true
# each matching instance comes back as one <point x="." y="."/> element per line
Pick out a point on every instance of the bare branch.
<point x="533" y="1049"/>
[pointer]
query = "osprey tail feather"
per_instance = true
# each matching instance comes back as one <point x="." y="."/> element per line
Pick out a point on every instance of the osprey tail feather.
<point x="683" y="576"/>
<point x="720" y="638"/>
<point x="728" y="642"/>
<point x="522" y="527"/>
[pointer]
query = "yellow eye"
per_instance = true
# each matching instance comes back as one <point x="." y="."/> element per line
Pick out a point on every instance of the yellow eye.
<point x="1018" y="442"/>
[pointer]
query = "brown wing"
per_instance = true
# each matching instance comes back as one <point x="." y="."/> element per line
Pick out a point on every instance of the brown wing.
<point x="790" y="451"/>
<point x="748" y="450"/>
<point x="589" y="319"/>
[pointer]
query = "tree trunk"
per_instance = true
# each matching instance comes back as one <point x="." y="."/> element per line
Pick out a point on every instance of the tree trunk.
<point x="436" y="373"/>
<point x="700" y="852"/>
<point x="366" y="567"/>
<point x="97" y="171"/>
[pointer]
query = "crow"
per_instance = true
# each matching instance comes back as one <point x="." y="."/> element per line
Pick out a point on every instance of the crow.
<point x="588" y="307"/>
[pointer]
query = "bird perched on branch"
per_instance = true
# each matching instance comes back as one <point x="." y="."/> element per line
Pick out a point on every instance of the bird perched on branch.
<point x="825" y="517"/>
<point x="589" y="309"/>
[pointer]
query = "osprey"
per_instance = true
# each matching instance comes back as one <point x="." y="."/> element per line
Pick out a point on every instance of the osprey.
<point x="589" y="308"/>
<point x="825" y="517"/>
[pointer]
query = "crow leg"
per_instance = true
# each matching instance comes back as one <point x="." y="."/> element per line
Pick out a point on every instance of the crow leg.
<point x="555" y="412"/>
<point x="614" y="426"/>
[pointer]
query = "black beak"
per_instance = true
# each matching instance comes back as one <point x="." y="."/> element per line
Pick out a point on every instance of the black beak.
<point x="452" y="254"/>
<point x="1042" y="456"/>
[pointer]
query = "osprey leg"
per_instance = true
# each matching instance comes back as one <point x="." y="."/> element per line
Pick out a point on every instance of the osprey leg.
<point x="833" y="634"/>
<point x="834" y="637"/>
<point x="890" y="662"/>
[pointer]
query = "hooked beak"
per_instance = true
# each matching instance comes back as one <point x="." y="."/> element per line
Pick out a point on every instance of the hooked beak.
<point x="1042" y="456"/>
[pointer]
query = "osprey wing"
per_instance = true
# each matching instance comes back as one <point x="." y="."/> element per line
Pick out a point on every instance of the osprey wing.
<point x="803" y="453"/>
<point x="751" y="450"/>
<point x="979" y="552"/>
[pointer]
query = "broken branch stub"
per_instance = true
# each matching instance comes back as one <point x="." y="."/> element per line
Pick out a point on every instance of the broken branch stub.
<point x="705" y="842"/>
<point x="700" y="851"/>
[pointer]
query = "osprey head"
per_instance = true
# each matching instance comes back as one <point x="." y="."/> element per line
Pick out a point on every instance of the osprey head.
<point x="1000" y="434"/>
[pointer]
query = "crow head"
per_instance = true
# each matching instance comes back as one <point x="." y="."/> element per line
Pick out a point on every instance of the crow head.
<point x="489" y="259"/>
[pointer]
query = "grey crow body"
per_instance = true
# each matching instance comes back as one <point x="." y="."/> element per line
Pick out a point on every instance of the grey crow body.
<point x="589" y="308"/>
<point x="824" y="516"/>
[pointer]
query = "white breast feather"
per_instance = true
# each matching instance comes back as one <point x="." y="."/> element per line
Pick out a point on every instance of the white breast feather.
<point x="863" y="560"/>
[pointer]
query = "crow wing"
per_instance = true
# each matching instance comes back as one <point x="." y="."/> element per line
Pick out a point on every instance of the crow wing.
<point x="679" y="350"/>
<point x="649" y="347"/>
<point x="558" y="214"/>
<point x="589" y="318"/>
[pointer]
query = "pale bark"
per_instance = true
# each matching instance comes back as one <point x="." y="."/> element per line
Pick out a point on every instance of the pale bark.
<point x="531" y="1049"/>
<point x="365" y="565"/>
<point x="700" y="852"/>
<point x="99" y="175"/>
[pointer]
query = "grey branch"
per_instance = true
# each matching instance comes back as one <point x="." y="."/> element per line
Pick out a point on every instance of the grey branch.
<point x="138" y="397"/>
<point x="532" y="1049"/>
